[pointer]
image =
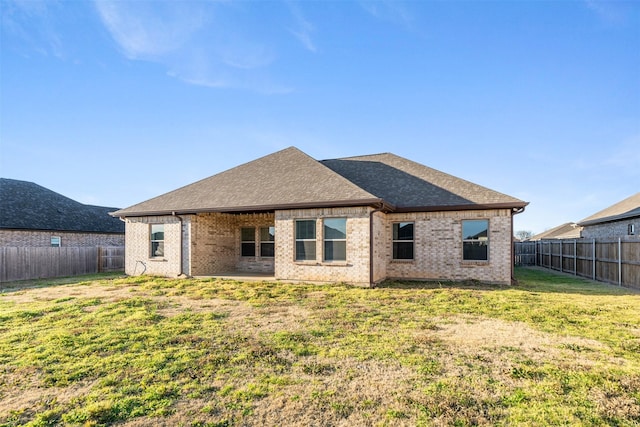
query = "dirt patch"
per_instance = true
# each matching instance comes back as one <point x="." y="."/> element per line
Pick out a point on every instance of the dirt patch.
<point x="52" y="293"/>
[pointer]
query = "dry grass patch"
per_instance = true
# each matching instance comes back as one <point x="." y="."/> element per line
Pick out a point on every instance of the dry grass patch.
<point x="150" y="351"/>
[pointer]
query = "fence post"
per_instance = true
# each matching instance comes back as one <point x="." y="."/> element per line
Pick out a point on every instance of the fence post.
<point x="561" y="259"/>
<point x="593" y="250"/>
<point x="619" y="262"/>
<point x="575" y="257"/>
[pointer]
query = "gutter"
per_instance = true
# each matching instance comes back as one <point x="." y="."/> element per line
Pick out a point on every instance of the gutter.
<point x="256" y="209"/>
<point x="382" y="208"/>
<point x="181" y="242"/>
<point x="515" y="211"/>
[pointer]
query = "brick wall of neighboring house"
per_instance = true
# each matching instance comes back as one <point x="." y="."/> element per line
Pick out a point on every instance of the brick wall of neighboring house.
<point x="356" y="268"/>
<point x="31" y="238"/>
<point x="612" y="230"/>
<point x="438" y="247"/>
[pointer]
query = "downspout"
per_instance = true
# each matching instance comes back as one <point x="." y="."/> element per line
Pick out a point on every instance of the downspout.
<point x="516" y="211"/>
<point x="371" y="263"/>
<point x="181" y="242"/>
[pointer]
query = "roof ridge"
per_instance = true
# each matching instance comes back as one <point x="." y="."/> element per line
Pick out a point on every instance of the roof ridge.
<point x="359" y="156"/>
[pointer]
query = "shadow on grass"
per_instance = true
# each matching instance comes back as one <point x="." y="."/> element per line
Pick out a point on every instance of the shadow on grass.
<point x="532" y="279"/>
<point x="57" y="281"/>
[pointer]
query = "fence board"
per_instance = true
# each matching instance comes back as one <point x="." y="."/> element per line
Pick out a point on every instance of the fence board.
<point x="46" y="262"/>
<point x="610" y="261"/>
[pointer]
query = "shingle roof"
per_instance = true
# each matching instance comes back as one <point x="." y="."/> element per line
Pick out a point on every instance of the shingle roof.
<point x="287" y="178"/>
<point x="25" y="205"/>
<point x="568" y="230"/>
<point x="411" y="186"/>
<point x="627" y="208"/>
<point x="291" y="179"/>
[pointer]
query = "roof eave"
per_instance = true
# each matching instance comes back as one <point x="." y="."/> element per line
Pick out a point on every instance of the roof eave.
<point x="612" y="218"/>
<point x="466" y="207"/>
<point x="61" y="230"/>
<point x="260" y="208"/>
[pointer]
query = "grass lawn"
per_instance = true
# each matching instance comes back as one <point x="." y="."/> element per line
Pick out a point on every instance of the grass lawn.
<point x="552" y="350"/>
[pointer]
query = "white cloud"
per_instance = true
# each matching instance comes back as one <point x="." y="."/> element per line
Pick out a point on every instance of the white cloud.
<point x="150" y="29"/>
<point x="392" y="11"/>
<point x="33" y="22"/>
<point x="607" y="11"/>
<point x="303" y="28"/>
<point x="208" y="44"/>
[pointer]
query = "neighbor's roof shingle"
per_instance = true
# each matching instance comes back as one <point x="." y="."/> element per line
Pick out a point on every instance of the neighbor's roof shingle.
<point x="291" y="179"/>
<point x="627" y="208"/>
<point x="568" y="230"/>
<point x="28" y="206"/>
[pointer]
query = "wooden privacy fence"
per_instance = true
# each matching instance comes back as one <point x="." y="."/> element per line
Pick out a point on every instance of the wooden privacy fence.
<point x="612" y="261"/>
<point x="46" y="262"/>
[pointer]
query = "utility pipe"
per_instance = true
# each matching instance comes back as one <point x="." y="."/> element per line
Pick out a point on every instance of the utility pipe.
<point x="181" y="240"/>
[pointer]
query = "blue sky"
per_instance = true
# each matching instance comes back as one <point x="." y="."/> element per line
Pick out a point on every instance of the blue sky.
<point x="112" y="103"/>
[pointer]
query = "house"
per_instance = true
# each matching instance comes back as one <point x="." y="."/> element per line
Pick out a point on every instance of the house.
<point x="568" y="230"/>
<point x="621" y="220"/>
<point x="33" y="216"/>
<point x="358" y="220"/>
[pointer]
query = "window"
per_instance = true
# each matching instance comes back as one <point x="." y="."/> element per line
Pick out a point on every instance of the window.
<point x="55" y="242"/>
<point x="305" y="240"/>
<point x="248" y="241"/>
<point x="157" y="240"/>
<point x="631" y="229"/>
<point x="335" y="239"/>
<point x="267" y="237"/>
<point x="475" y="240"/>
<point x="403" y="240"/>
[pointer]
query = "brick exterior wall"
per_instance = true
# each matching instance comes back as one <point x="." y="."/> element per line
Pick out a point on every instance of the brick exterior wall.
<point x="211" y="245"/>
<point x="31" y="238"/>
<point x="380" y="247"/>
<point x="138" y="247"/>
<point x="612" y="230"/>
<point x="354" y="270"/>
<point x="438" y="247"/>
<point x="216" y="244"/>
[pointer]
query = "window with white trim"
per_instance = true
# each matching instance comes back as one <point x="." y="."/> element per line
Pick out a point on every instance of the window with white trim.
<point x="267" y="239"/>
<point x="56" y="242"/>
<point x="248" y="241"/>
<point x="475" y="240"/>
<point x="631" y="229"/>
<point x="403" y="240"/>
<point x="305" y="240"/>
<point x="157" y="240"/>
<point x="335" y="239"/>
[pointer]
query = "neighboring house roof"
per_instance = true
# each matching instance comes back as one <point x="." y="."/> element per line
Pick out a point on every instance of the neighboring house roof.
<point x="28" y="206"/>
<point x="568" y="230"/>
<point x="291" y="179"/>
<point x="627" y="208"/>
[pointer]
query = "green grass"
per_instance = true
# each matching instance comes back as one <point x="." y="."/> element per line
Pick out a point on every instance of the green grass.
<point x="551" y="350"/>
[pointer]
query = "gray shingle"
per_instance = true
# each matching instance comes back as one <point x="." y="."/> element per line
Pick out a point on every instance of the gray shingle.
<point x="28" y="206"/>
<point x="291" y="179"/>
<point x="627" y="208"/>
<point x="411" y="186"/>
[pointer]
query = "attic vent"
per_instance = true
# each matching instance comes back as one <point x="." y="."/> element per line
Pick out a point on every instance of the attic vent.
<point x="59" y="210"/>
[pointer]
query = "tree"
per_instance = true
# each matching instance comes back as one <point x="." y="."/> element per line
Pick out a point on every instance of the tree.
<point x="524" y="234"/>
